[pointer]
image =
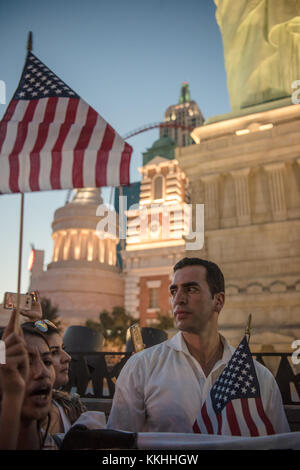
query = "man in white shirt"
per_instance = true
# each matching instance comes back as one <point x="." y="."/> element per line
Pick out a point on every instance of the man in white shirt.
<point x="163" y="388"/>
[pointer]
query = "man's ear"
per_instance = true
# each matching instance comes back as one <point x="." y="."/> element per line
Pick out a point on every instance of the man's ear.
<point x="219" y="301"/>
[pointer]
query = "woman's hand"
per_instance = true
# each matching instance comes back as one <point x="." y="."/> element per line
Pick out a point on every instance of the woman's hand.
<point x="35" y="313"/>
<point x="14" y="373"/>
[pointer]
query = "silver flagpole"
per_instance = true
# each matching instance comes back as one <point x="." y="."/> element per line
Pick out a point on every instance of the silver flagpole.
<point x="17" y="319"/>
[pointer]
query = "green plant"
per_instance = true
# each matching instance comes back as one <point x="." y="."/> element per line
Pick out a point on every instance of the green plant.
<point x="113" y="325"/>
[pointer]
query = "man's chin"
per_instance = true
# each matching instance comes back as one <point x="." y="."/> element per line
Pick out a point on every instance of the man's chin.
<point x="184" y="327"/>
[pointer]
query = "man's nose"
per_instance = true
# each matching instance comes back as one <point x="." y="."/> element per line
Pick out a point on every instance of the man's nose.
<point x="180" y="297"/>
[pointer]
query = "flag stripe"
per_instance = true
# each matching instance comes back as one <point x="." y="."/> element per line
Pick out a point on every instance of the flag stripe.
<point x="39" y="144"/>
<point x="46" y="153"/>
<point x="57" y="149"/>
<point x="219" y="419"/>
<point x="9" y="132"/>
<point x="206" y="419"/>
<point x="7" y="117"/>
<point x="232" y="420"/>
<point x="18" y="146"/>
<point x="196" y="428"/>
<point x="31" y="137"/>
<point x="237" y="405"/>
<point x="248" y="418"/>
<point x="263" y="416"/>
<point x="12" y="130"/>
<point x="90" y="156"/>
<point x="102" y="156"/>
<point x="115" y="155"/>
<point x="66" y="172"/>
<point x="125" y="165"/>
<point x="10" y="111"/>
<point x="82" y="144"/>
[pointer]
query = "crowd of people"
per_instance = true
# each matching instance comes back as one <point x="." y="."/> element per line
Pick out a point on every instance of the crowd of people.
<point x="33" y="407"/>
<point x="160" y="389"/>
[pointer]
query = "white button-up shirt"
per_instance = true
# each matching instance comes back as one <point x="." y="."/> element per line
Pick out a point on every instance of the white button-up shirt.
<point x="163" y="388"/>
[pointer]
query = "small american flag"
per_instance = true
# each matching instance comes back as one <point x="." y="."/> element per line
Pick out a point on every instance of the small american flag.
<point x="52" y="139"/>
<point x="234" y="406"/>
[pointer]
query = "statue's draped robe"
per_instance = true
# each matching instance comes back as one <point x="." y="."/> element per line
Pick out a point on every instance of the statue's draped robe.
<point x="261" y="41"/>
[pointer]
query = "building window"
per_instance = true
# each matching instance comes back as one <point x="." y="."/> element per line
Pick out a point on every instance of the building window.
<point x="154" y="297"/>
<point x="158" y="187"/>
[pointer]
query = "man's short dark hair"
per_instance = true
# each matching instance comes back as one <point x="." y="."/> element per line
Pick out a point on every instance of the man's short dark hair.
<point x="214" y="275"/>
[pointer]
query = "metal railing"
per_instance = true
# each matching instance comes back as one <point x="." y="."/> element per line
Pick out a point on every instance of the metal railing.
<point x="93" y="374"/>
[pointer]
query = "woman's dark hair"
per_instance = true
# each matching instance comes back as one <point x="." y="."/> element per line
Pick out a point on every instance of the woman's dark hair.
<point x="214" y="275"/>
<point x="51" y="330"/>
<point x="28" y="328"/>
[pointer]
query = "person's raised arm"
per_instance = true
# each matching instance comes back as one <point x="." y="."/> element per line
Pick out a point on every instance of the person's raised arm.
<point x="13" y="377"/>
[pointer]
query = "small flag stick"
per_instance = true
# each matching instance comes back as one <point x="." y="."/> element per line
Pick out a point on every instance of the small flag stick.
<point x="248" y="328"/>
<point x="29" y="41"/>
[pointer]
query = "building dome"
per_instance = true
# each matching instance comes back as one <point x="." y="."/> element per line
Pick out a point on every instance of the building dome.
<point x="80" y="212"/>
<point x="83" y="277"/>
<point x="75" y="233"/>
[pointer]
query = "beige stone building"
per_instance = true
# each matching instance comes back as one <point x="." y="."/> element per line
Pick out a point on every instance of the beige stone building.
<point x="246" y="171"/>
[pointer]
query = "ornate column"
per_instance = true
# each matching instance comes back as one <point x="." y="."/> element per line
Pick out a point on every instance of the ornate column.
<point x="61" y="244"/>
<point x="55" y="252"/>
<point x="90" y="246"/>
<point x="66" y="246"/>
<point x="211" y="201"/>
<point x="275" y="172"/>
<point x="83" y="244"/>
<point x="101" y="250"/>
<point x="243" y="210"/>
<point x="76" y="244"/>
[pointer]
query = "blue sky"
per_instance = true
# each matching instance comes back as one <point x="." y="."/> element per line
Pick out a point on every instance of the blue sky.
<point x="128" y="60"/>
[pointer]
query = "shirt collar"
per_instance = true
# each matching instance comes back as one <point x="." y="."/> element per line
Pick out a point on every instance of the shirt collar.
<point x="178" y="343"/>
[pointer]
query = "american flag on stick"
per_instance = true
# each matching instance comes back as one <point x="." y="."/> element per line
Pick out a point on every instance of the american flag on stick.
<point x="52" y="139"/>
<point x="234" y="405"/>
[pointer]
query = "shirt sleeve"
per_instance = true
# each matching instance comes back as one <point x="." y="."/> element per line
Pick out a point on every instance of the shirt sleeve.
<point x="128" y="411"/>
<point x="272" y="401"/>
<point x="276" y="411"/>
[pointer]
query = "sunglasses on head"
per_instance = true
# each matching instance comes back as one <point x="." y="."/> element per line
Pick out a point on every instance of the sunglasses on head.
<point x="43" y="325"/>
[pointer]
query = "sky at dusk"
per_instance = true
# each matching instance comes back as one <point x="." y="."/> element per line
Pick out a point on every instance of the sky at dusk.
<point x="128" y="60"/>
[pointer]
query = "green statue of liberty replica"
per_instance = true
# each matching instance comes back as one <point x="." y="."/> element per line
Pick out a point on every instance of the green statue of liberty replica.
<point x="261" y="40"/>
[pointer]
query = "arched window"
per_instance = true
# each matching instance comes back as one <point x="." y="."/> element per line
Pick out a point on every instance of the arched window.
<point x="158" y="187"/>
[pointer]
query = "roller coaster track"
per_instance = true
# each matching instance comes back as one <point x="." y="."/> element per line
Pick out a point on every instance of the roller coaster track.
<point x="154" y="125"/>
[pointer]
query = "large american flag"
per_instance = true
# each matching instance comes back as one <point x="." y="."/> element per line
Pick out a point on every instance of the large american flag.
<point x="234" y="405"/>
<point x="52" y="139"/>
